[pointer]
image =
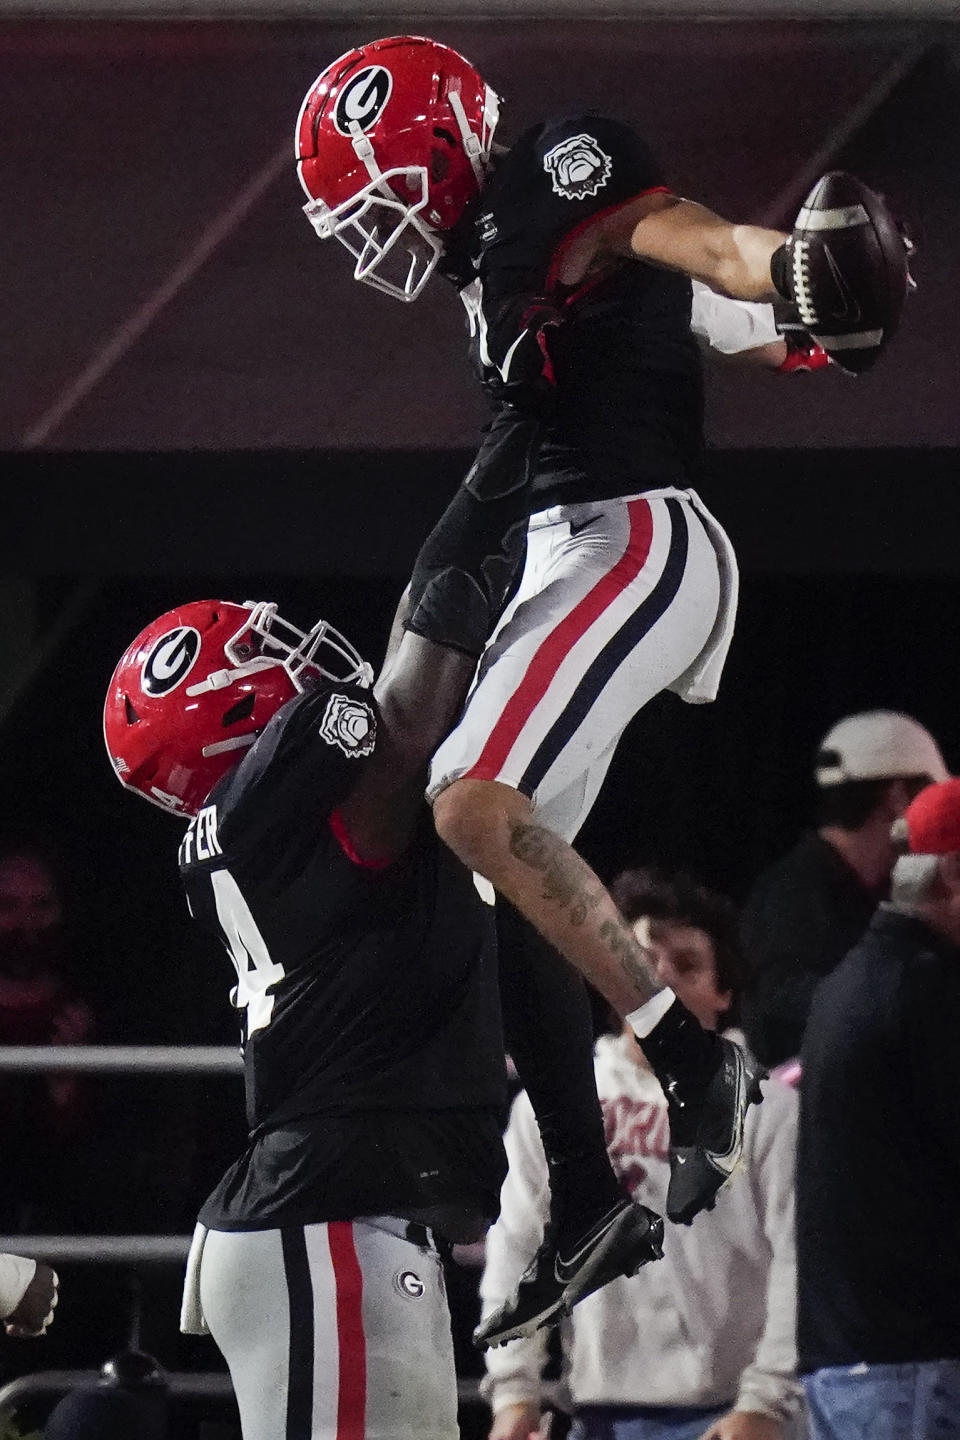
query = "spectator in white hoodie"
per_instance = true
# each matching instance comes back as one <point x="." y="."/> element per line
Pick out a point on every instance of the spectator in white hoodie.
<point x="701" y="1344"/>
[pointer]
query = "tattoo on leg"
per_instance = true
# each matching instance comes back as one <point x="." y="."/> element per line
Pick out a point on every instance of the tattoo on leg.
<point x="561" y="868"/>
<point x="568" y="881"/>
<point x="634" y="959"/>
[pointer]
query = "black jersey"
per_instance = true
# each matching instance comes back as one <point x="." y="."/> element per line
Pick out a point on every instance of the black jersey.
<point x="372" y="1047"/>
<point x="629" y="388"/>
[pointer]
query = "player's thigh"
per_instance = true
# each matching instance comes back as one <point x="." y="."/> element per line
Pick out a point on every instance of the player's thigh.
<point x="565" y="809"/>
<point x="332" y="1329"/>
<point x="543" y="640"/>
<point x="614" y="624"/>
<point x="657" y="630"/>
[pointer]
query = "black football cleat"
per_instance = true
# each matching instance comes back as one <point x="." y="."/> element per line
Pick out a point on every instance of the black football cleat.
<point x="706" y="1131"/>
<point x="624" y="1240"/>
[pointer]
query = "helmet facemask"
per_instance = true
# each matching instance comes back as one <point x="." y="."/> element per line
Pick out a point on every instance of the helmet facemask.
<point x="267" y="640"/>
<point x="395" y="250"/>
<point x="397" y="243"/>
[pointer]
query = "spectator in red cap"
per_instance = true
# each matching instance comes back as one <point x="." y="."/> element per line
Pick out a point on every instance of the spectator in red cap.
<point x="878" y="1219"/>
<point x="805" y="912"/>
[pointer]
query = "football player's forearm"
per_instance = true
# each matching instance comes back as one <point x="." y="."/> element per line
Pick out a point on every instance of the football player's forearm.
<point x="743" y="266"/>
<point x="733" y="259"/>
<point x="468" y="565"/>
<point x="771" y="356"/>
<point x="396" y="632"/>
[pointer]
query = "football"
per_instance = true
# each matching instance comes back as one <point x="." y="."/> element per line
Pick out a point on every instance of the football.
<point x="848" y="270"/>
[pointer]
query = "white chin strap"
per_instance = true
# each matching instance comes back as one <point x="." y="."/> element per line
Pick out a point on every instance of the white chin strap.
<point x="220" y="679"/>
<point x="471" y="143"/>
<point x="477" y="149"/>
<point x="363" y="147"/>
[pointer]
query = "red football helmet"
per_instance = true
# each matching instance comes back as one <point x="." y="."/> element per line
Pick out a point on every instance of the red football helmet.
<point x="392" y="142"/>
<point x="197" y="687"/>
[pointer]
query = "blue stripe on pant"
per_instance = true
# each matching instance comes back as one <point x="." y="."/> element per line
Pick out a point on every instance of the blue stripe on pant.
<point x="613" y="654"/>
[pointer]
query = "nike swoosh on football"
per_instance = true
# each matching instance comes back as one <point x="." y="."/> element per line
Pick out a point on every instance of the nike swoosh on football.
<point x="564" y="1270"/>
<point x="850" y="310"/>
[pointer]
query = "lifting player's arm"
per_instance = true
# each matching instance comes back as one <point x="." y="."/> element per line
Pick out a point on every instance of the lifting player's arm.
<point x="462" y="579"/>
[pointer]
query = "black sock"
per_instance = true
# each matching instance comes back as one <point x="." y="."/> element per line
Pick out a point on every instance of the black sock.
<point x="678" y="1048"/>
<point x="549" y="1031"/>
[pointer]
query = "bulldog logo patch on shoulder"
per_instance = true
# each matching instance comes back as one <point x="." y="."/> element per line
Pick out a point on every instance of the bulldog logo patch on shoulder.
<point x="577" y="167"/>
<point x="349" y="724"/>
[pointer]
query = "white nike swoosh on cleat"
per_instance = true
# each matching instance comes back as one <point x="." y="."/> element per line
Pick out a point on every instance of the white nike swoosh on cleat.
<point x="569" y="1266"/>
<point x="726" y="1160"/>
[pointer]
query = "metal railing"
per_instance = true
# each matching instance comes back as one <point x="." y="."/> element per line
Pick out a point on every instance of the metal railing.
<point x="124" y="1059"/>
<point x="116" y="1060"/>
<point x="181" y="1385"/>
<point x="130" y="1250"/>
<point x="204" y="1385"/>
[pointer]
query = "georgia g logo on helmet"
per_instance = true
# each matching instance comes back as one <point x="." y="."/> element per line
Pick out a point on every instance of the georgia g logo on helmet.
<point x="362" y="99"/>
<point x="170" y="661"/>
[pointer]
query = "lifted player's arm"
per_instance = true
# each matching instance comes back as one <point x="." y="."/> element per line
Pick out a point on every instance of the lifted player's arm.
<point x="682" y="235"/>
<point x="729" y="262"/>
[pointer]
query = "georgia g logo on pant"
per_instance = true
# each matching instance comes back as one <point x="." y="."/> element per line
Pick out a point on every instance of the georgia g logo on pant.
<point x="409" y="1284"/>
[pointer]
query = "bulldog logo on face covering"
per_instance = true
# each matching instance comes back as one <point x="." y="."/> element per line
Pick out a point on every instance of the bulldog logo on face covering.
<point x="409" y="1284"/>
<point x="349" y="724"/>
<point x="577" y="167"/>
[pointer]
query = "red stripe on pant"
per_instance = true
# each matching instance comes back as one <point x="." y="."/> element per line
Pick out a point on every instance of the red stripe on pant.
<point x="561" y="641"/>
<point x="352" y="1396"/>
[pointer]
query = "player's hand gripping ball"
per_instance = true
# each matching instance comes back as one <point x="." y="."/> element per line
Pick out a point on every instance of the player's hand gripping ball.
<point x="845" y="268"/>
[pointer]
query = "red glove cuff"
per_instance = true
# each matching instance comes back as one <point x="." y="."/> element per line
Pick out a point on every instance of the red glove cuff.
<point x="807" y="357"/>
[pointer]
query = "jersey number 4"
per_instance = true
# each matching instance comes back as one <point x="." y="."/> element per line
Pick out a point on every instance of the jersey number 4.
<point x="256" y="972"/>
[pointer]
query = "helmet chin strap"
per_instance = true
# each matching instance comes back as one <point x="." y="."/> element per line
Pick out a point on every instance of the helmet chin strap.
<point x="220" y="679"/>
<point x="238" y="742"/>
<point x="471" y="144"/>
<point x="363" y="148"/>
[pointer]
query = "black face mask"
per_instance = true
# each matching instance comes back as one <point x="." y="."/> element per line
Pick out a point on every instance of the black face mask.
<point x="25" y="954"/>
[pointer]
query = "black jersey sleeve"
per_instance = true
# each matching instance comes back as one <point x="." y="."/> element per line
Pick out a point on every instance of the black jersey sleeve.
<point x="584" y="167"/>
<point x="555" y="179"/>
<point x="302" y="767"/>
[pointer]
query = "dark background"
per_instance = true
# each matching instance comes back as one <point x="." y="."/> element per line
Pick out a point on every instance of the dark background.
<point x="162" y="290"/>
<point x="850" y="600"/>
<point x="197" y="401"/>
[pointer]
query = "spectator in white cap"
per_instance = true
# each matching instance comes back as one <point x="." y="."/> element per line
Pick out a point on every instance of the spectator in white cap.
<point x="878" y="1174"/>
<point x="805" y="912"/>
